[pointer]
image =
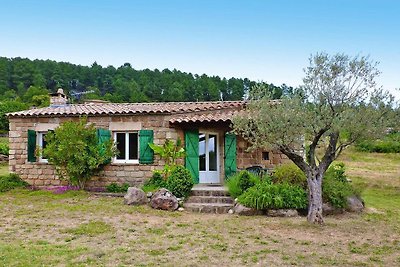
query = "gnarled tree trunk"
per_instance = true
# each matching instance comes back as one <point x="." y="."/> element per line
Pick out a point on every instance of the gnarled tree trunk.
<point x="314" y="180"/>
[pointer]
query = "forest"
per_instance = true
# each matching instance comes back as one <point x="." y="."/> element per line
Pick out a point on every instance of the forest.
<point x="25" y="83"/>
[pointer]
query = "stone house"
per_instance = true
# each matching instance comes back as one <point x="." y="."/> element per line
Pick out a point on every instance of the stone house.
<point x="212" y="152"/>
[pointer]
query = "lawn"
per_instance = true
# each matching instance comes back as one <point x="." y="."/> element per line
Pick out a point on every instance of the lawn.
<point x="38" y="228"/>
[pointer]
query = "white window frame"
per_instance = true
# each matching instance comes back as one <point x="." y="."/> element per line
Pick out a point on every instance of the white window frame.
<point x="39" y="140"/>
<point x="126" y="160"/>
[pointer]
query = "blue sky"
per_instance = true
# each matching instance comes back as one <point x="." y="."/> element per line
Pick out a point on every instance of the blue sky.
<point x="261" y="40"/>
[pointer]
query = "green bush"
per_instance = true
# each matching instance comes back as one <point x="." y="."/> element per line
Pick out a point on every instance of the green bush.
<point x="336" y="188"/>
<point x="155" y="182"/>
<point x="76" y="153"/>
<point x="389" y="144"/>
<point x="11" y="181"/>
<point x="274" y="196"/>
<point x="180" y="182"/>
<point x="116" y="188"/>
<point x="4" y="148"/>
<point x="240" y="182"/>
<point x="290" y="174"/>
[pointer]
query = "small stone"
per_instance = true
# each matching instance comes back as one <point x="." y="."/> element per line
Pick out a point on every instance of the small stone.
<point x="149" y="194"/>
<point x="230" y="211"/>
<point x="164" y="200"/>
<point x="135" y="196"/>
<point x="354" y="204"/>
<point x="181" y="209"/>
<point x="328" y="209"/>
<point x="242" y="210"/>
<point x="283" y="213"/>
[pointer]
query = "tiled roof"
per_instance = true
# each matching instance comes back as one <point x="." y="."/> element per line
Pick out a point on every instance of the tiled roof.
<point x="217" y="116"/>
<point x="96" y="109"/>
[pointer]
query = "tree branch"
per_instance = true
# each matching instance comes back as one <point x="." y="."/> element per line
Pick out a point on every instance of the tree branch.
<point x="296" y="158"/>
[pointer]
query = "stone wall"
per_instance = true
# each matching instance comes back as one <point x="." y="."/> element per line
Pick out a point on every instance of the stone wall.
<point x="255" y="158"/>
<point x="43" y="174"/>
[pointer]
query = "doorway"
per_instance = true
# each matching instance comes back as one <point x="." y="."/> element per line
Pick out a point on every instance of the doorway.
<point x="208" y="158"/>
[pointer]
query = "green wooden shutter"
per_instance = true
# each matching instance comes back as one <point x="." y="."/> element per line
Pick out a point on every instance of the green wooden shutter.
<point x="146" y="154"/>
<point x="192" y="154"/>
<point x="230" y="154"/>
<point x="103" y="136"/>
<point x="31" y="146"/>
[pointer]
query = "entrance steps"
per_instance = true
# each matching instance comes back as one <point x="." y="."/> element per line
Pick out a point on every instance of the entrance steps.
<point x="209" y="199"/>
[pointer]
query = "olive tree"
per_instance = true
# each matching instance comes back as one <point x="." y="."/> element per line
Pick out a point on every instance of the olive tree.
<point x="339" y="104"/>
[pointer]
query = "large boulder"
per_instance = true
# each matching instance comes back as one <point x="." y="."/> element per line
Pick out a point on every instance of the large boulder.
<point x="135" y="196"/>
<point x="242" y="210"/>
<point x="354" y="204"/>
<point x="164" y="200"/>
<point x="283" y="213"/>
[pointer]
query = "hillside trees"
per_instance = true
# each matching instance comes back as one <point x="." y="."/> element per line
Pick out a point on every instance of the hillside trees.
<point x="122" y="84"/>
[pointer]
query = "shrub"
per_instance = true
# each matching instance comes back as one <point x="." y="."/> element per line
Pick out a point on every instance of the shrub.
<point x="335" y="187"/>
<point x="155" y="182"/>
<point x="180" y="182"/>
<point x="291" y="174"/>
<point x="11" y="181"/>
<point x="389" y="144"/>
<point x="75" y="151"/>
<point x="116" y="188"/>
<point x="274" y="196"/>
<point x="4" y="148"/>
<point x="240" y="182"/>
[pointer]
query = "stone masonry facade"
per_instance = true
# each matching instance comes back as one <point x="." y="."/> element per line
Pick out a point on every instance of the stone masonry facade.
<point x="41" y="174"/>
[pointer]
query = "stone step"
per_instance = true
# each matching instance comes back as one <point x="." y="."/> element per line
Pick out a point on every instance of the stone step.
<point x="219" y="208"/>
<point x="210" y="192"/>
<point x="210" y="199"/>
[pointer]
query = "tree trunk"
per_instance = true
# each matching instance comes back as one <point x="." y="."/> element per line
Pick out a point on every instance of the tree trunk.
<point x="314" y="179"/>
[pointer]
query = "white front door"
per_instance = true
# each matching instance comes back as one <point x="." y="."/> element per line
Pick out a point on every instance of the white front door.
<point x="208" y="158"/>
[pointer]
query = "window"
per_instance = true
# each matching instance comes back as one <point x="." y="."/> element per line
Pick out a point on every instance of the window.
<point x="265" y="155"/>
<point x="42" y="145"/>
<point x="127" y="146"/>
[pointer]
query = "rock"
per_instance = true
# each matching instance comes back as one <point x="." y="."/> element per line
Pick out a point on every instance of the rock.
<point x="135" y="196"/>
<point x="164" y="200"/>
<point x="328" y="209"/>
<point x="181" y="209"/>
<point x="283" y="213"/>
<point x="242" y="210"/>
<point x="354" y="204"/>
<point x="149" y="194"/>
<point x="230" y="211"/>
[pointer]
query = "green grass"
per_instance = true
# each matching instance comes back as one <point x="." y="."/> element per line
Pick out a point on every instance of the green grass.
<point x="38" y="228"/>
<point x="92" y="228"/>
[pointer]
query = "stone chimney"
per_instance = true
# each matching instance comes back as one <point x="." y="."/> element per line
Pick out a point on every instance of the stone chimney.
<point x="58" y="99"/>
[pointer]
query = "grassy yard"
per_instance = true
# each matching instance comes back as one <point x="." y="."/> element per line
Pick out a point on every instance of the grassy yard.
<point x="79" y="229"/>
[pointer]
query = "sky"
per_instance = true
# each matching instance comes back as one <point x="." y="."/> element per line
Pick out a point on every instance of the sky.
<point x="265" y="40"/>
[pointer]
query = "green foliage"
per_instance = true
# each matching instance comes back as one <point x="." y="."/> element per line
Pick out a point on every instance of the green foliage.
<point x="336" y="188"/>
<point x="4" y="148"/>
<point x="155" y="182"/>
<point x="169" y="152"/>
<point x="117" y="188"/>
<point x="240" y="182"/>
<point x="11" y="181"/>
<point x="6" y="107"/>
<point x="389" y="144"/>
<point x="291" y="174"/>
<point x="74" y="150"/>
<point x="122" y="84"/>
<point x="180" y="182"/>
<point x="274" y="196"/>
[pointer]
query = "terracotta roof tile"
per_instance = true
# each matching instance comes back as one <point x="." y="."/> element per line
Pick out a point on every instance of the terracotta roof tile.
<point x="96" y="109"/>
<point x="217" y="116"/>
